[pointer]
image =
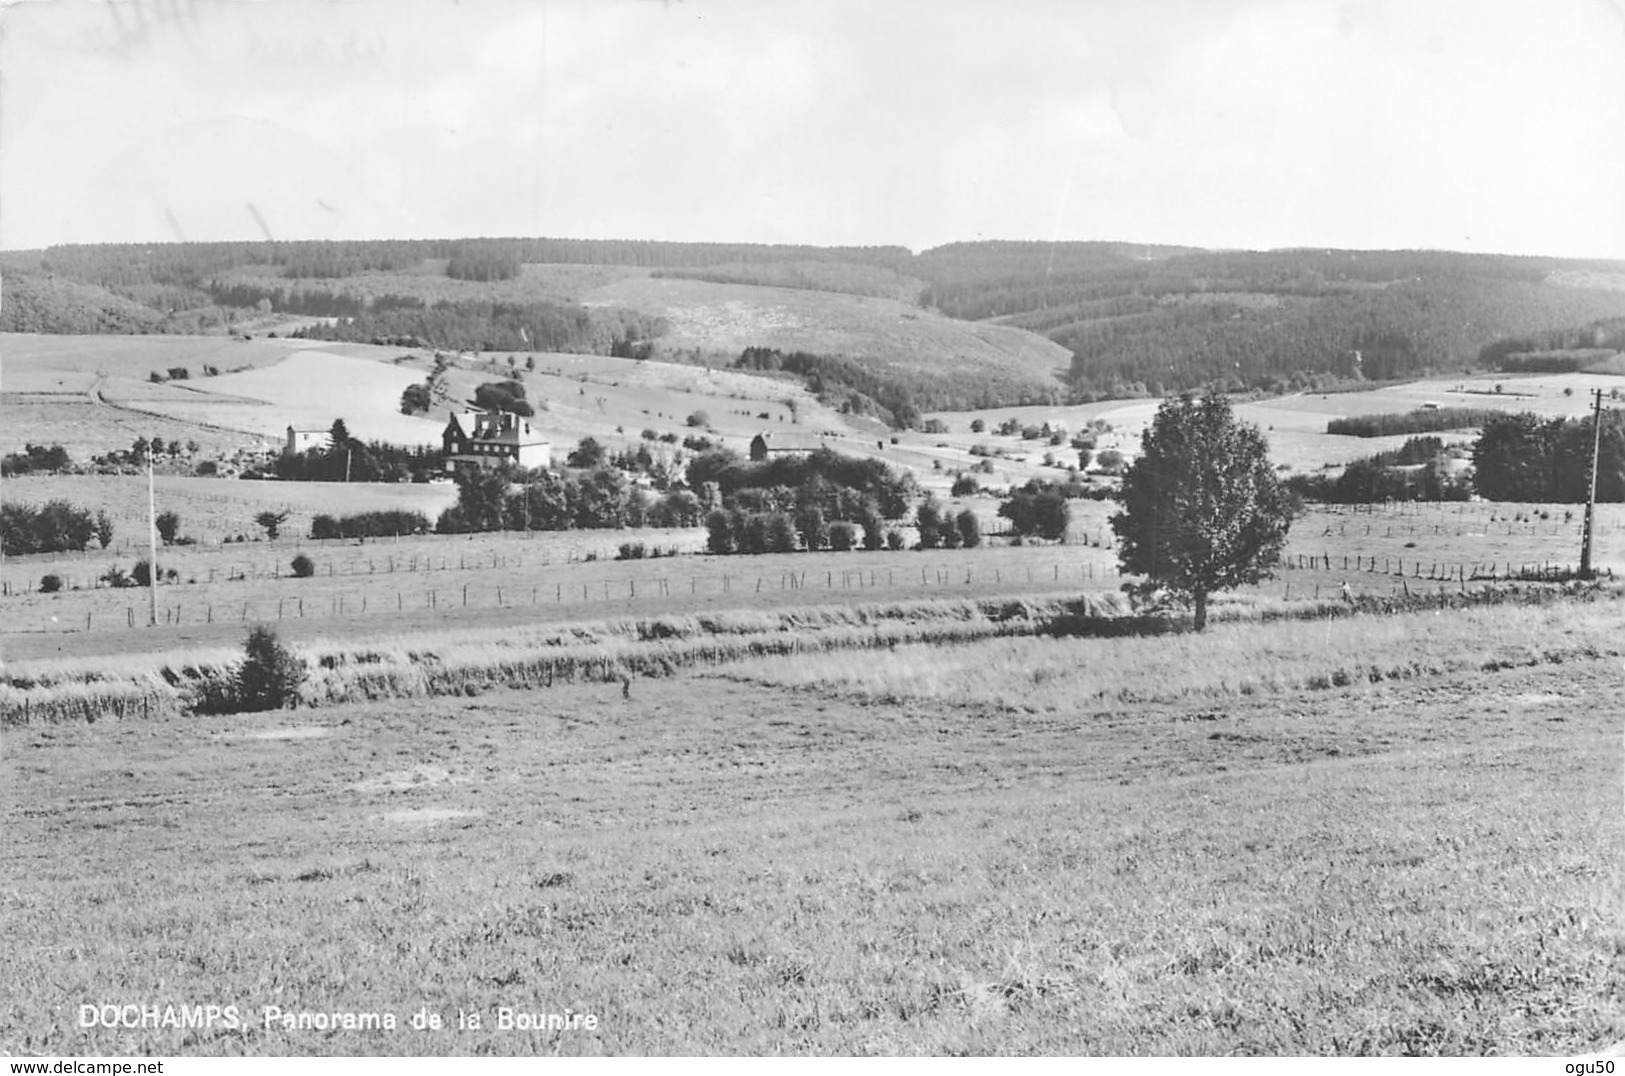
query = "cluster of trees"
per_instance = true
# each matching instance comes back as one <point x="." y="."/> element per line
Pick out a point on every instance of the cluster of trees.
<point x="346" y="459"/>
<point x="1522" y="352"/>
<point x="54" y="527"/>
<point x="1419" y="470"/>
<point x="940" y="529"/>
<point x="1038" y="510"/>
<point x="505" y="498"/>
<point x="36" y="304"/>
<point x="1526" y="458"/>
<point x="1422" y="420"/>
<point x="843" y="383"/>
<point x="839" y="485"/>
<point x="370" y="525"/>
<point x="488" y="326"/>
<point x="822" y="500"/>
<point x="36" y="459"/>
<point x="503" y="396"/>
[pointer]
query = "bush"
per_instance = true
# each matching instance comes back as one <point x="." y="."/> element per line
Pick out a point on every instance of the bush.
<point x="895" y="540"/>
<point x="842" y="536"/>
<point x="142" y="573"/>
<point x="168" y="524"/>
<point x="632" y="551"/>
<point x="699" y="419"/>
<point x="303" y="567"/>
<point x="416" y="399"/>
<point x="272" y="522"/>
<point x="50" y="584"/>
<point x="324" y="526"/>
<point x="965" y="486"/>
<point x="271" y="674"/>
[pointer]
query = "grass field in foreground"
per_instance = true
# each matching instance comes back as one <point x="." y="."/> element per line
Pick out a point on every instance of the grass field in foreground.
<point x="1419" y="866"/>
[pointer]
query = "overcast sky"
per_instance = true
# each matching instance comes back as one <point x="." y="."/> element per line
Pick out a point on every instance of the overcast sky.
<point x="1494" y="125"/>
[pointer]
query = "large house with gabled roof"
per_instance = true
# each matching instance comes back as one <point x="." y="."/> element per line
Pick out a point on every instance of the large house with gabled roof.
<point x="490" y="438"/>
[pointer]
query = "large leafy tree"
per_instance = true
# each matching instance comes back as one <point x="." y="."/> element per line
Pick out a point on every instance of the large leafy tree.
<point x="1202" y="510"/>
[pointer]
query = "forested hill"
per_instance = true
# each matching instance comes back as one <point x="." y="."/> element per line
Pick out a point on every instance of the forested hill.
<point x="1136" y="318"/>
<point x="1155" y="320"/>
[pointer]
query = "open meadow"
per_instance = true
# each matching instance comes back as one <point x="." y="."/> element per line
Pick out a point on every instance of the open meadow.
<point x="1401" y="838"/>
<point x="868" y="802"/>
<point x="512" y="577"/>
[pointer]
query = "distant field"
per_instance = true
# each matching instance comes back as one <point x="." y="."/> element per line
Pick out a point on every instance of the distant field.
<point x="724" y="319"/>
<point x="309" y="388"/>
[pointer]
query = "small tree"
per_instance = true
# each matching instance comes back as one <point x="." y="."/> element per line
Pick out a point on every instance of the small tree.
<point x="272" y="521"/>
<point x="587" y="453"/>
<point x="719" y="528"/>
<point x="416" y="399"/>
<point x="970" y="529"/>
<point x="168" y="524"/>
<point x="142" y="573"/>
<point x="1202" y="509"/>
<point x="104" y="528"/>
<point x="303" y="567"/>
<point x="270" y="675"/>
<point x="928" y="518"/>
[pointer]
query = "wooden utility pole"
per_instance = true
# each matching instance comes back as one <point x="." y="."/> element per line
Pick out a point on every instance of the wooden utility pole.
<point x="152" y="546"/>
<point x="1591" y="493"/>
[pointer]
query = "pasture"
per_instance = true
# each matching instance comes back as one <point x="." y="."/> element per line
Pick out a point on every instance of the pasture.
<point x="753" y="860"/>
<point x="568" y="575"/>
<point x="724" y="319"/>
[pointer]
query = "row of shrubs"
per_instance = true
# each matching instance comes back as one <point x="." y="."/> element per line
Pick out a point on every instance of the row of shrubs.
<point x="736" y="531"/>
<point x="55" y="527"/>
<point x="370" y="525"/>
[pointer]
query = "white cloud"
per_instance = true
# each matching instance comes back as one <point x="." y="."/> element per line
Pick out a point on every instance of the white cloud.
<point x="1246" y="122"/>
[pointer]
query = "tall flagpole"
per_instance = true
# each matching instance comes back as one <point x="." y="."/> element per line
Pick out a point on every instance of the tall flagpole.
<point x="152" y="545"/>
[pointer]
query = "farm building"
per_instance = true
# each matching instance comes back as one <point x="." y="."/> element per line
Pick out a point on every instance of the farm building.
<point x="487" y="438"/>
<point x="764" y="445"/>
<point x="303" y="440"/>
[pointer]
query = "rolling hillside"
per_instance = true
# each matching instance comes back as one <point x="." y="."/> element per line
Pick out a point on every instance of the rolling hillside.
<point x="942" y="362"/>
<point x="984" y="324"/>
